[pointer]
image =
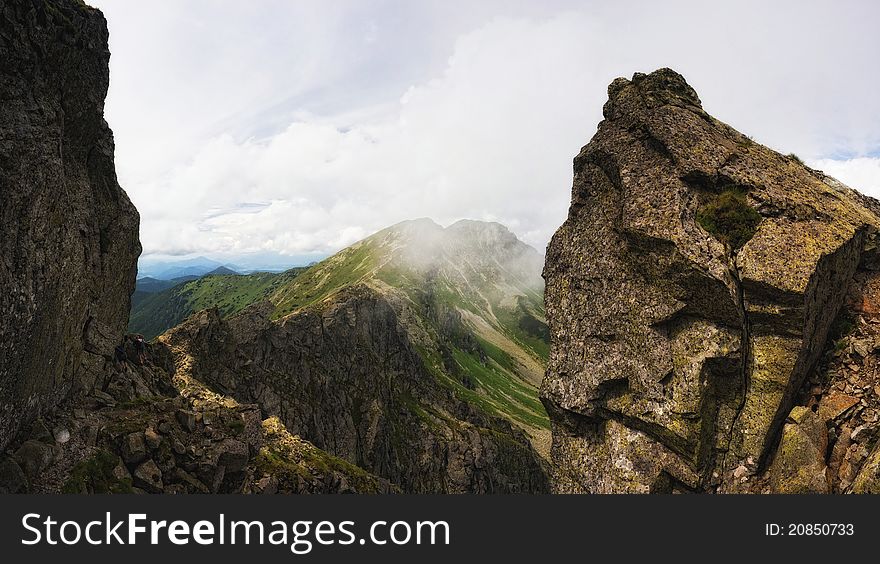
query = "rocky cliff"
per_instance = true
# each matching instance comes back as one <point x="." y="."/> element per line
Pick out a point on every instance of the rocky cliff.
<point x="690" y="295"/>
<point x="148" y="429"/>
<point x="344" y="374"/>
<point x="68" y="232"/>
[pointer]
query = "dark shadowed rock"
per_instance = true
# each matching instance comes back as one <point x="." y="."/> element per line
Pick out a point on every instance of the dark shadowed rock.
<point x="68" y="232"/>
<point x="689" y="293"/>
<point x="232" y="455"/>
<point x="187" y="419"/>
<point x="34" y="456"/>
<point x="12" y="477"/>
<point x="134" y="449"/>
<point x="148" y="477"/>
<point x="344" y="375"/>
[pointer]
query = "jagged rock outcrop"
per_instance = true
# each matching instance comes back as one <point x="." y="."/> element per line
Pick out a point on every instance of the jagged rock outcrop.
<point x="146" y="429"/>
<point x="68" y="232"/>
<point x="344" y="375"/>
<point x="844" y="391"/>
<point x="689" y="295"/>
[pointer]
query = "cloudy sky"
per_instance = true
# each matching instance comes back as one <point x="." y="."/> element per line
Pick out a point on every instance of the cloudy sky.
<point x="298" y="127"/>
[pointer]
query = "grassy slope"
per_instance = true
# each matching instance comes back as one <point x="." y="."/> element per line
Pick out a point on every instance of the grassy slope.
<point x="156" y="313"/>
<point x="499" y="312"/>
<point x="347" y="267"/>
<point x="514" y="357"/>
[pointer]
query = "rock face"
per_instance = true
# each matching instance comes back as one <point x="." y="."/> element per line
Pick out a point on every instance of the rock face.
<point x="689" y="295"/>
<point x="154" y="431"/>
<point x="344" y="375"/>
<point x="68" y="232"/>
<point x="844" y="391"/>
<point x="469" y="298"/>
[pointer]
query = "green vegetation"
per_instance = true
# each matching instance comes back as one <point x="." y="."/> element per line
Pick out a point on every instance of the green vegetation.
<point x="158" y="312"/>
<point x="507" y="395"/>
<point x="96" y="475"/>
<point x="795" y="158"/>
<point x="498" y="391"/>
<point x="729" y="217"/>
<point x="325" y="278"/>
<point x="525" y="329"/>
<point x="290" y="458"/>
<point x="477" y="312"/>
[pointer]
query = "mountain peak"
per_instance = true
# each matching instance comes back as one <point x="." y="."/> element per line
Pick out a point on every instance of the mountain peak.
<point x="482" y="232"/>
<point x="661" y="87"/>
<point x="221" y="271"/>
<point x="424" y="224"/>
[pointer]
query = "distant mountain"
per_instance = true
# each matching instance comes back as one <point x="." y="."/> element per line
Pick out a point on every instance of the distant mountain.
<point x="170" y="269"/>
<point x="222" y="271"/>
<point x="152" y="313"/>
<point x="150" y="285"/>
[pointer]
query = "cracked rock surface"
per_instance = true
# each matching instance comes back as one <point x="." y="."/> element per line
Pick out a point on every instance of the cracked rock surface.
<point x="68" y="232"/>
<point x="690" y="294"/>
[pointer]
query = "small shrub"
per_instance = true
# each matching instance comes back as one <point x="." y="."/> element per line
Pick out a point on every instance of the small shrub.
<point x="729" y="218"/>
<point x="795" y="158"/>
<point x="95" y="475"/>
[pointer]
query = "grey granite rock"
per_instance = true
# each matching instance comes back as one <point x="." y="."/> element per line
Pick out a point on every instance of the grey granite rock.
<point x="689" y="293"/>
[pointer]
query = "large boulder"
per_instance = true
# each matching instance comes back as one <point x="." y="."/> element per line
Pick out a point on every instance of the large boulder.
<point x="689" y="293"/>
<point x="68" y="232"/>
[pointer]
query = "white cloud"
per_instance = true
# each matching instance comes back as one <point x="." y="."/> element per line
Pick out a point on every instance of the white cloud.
<point x="301" y="127"/>
<point x="862" y="173"/>
<point x="467" y="144"/>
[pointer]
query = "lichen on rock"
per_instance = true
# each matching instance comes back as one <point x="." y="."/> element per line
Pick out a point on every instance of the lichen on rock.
<point x="689" y="294"/>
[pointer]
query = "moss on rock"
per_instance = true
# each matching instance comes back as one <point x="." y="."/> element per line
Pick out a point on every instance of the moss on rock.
<point x="101" y="473"/>
<point x="729" y="217"/>
<point x="291" y="460"/>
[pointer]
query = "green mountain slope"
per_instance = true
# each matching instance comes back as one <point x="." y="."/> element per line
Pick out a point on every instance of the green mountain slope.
<point x="154" y="313"/>
<point x="149" y="285"/>
<point x="471" y="296"/>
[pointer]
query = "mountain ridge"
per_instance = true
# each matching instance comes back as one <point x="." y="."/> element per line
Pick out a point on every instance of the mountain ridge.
<point x="458" y="294"/>
<point x="344" y="375"/>
<point x="470" y="293"/>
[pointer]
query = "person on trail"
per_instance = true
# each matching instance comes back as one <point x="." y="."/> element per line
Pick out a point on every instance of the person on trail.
<point x="141" y="347"/>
